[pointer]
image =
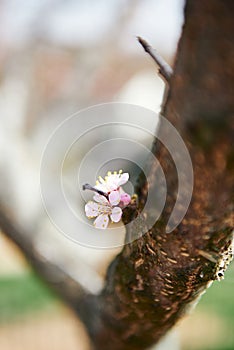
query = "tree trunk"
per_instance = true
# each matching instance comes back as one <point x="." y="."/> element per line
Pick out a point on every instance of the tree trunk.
<point x="153" y="282"/>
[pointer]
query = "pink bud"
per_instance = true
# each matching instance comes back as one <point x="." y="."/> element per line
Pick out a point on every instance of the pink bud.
<point x="125" y="198"/>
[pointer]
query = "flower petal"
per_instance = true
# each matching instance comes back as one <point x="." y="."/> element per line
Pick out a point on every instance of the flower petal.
<point x="102" y="187"/>
<point x="101" y="222"/>
<point x="100" y="199"/>
<point x="112" y="182"/>
<point x="91" y="209"/>
<point x="116" y="214"/>
<point x="114" y="198"/>
<point x="123" y="178"/>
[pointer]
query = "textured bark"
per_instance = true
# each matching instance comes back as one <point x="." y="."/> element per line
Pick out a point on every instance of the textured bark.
<point x="152" y="283"/>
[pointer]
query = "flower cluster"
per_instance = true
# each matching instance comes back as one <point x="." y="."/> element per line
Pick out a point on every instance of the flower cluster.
<point x="109" y="199"/>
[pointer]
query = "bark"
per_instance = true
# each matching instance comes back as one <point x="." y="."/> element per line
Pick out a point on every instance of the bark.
<point x="155" y="279"/>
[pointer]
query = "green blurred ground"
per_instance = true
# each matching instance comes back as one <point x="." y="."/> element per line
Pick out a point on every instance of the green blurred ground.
<point x="21" y="295"/>
<point x="219" y="300"/>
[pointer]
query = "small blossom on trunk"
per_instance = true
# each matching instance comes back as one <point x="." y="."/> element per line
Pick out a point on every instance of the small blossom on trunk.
<point x="109" y="199"/>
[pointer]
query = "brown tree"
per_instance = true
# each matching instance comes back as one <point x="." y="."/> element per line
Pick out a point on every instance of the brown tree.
<point x="155" y="279"/>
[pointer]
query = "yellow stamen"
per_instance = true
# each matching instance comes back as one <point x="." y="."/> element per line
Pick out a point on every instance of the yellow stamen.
<point x="101" y="180"/>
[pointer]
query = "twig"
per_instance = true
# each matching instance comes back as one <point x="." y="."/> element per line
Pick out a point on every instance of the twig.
<point x="91" y="188"/>
<point x="164" y="69"/>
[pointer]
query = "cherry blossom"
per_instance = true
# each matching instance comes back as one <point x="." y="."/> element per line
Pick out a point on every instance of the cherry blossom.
<point x="112" y="181"/>
<point x="109" y="199"/>
<point x="102" y="209"/>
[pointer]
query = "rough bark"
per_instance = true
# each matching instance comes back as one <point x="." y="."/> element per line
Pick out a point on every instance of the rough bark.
<point x="155" y="279"/>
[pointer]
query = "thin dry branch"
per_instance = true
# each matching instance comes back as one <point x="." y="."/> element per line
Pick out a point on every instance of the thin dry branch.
<point x="164" y="69"/>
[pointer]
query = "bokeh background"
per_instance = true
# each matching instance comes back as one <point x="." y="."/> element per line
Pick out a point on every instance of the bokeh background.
<point x="57" y="57"/>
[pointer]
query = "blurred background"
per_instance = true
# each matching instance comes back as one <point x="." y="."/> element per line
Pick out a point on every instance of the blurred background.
<point x="56" y="58"/>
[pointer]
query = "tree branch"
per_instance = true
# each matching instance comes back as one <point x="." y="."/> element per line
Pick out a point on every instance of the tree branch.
<point x="56" y="277"/>
<point x="164" y="69"/>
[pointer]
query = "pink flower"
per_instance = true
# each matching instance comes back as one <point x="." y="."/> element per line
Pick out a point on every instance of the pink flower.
<point x="112" y="181"/>
<point x="110" y="204"/>
<point x="103" y="208"/>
